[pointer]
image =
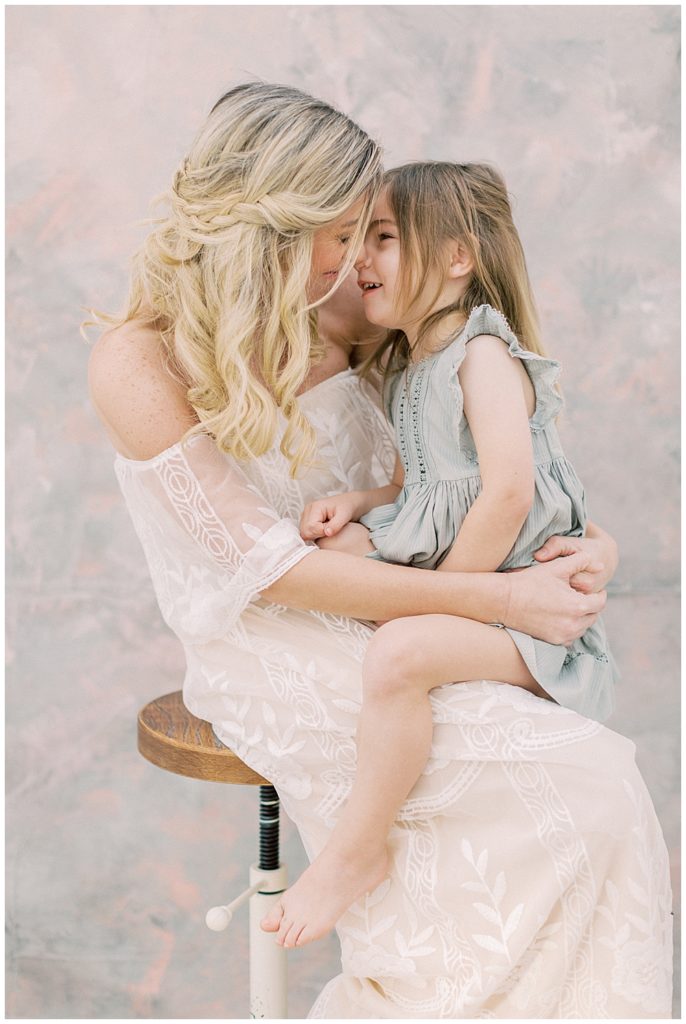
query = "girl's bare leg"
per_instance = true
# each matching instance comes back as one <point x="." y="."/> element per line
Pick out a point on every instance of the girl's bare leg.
<point x="406" y="658"/>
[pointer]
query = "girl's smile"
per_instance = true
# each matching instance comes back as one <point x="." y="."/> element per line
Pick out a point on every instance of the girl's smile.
<point x="378" y="265"/>
<point x="379" y="277"/>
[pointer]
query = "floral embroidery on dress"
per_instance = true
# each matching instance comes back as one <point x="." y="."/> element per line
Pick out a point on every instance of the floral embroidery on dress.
<point x="528" y="872"/>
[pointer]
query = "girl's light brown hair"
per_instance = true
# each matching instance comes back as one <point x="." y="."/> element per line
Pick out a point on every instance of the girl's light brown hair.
<point x="224" y="273"/>
<point x="433" y="204"/>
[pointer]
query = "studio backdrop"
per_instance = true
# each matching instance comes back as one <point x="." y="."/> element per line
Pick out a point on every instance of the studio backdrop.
<point x="111" y="863"/>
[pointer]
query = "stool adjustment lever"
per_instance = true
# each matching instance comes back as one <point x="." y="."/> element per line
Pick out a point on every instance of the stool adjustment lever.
<point x="219" y="918"/>
<point x="267" y="876"/>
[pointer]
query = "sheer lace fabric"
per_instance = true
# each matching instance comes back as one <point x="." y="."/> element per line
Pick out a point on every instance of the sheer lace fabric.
<point x="529" y="873"/>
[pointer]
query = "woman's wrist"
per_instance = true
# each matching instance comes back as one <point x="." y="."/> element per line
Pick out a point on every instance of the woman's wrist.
<point x="504" y="598"/>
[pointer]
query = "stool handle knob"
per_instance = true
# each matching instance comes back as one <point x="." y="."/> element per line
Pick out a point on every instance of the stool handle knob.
<point x="219" y="918"/>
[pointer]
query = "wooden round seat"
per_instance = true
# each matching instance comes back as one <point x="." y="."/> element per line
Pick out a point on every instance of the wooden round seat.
<point x="174" y="739"/>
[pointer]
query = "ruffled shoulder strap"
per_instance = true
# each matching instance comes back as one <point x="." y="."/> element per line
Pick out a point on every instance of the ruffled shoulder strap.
<point x="543" y="372"/>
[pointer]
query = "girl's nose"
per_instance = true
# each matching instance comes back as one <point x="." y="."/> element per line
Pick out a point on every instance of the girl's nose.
<point x="362" y="259"/>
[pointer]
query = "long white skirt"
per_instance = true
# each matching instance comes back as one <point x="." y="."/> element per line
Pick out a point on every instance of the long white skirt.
<point x="529" y="871"/>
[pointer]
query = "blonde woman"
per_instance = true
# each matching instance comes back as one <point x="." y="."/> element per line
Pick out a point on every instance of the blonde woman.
<point x="227" y="392"/>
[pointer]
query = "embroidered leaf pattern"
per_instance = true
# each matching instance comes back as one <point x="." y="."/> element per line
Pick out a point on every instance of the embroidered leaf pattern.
<point x="488" y="912"/>
<point x="499" y="888"/>
<point x="268" y="713"/>
<point x="474" y="886"/>
<point x="491" y="911"/>
<point x="639" y="923"/>
<point x="251" y="531"/>
<point x="513" y="920"/>
<point x="638" y="893"/>
<point x="488" y="942"/>
<point x="378" y="894"/>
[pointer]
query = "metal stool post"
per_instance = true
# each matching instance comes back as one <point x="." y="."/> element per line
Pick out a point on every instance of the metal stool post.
<point x="268" y="964"/>
<point x="173" y="739"/>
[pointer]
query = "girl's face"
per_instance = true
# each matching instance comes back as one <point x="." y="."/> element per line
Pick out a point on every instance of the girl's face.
<point x="329" y="249"/>
<point x="378" y="268"/>
<point x="378" y="275"/>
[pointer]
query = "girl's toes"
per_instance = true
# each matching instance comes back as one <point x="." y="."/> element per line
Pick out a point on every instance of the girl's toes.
<point x="291" y="939"/>
<point x="304" y="937"/>
<point x="271" y="921"/>
<point x="283" y="931"/>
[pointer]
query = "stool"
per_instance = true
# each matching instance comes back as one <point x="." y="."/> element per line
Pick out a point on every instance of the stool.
<point x="174" y="739"/>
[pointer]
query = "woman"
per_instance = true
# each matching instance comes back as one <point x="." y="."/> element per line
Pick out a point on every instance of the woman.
<point x="529" y="875"/>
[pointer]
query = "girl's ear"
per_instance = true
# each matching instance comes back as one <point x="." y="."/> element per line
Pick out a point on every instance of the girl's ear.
<point x="461" y="262"/>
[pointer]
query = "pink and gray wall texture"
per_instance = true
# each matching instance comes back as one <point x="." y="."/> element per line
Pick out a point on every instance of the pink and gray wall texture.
<point x="111" y="863"/>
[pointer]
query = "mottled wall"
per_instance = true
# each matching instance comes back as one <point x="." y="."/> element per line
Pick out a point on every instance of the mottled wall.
<point x="112" y="863"/>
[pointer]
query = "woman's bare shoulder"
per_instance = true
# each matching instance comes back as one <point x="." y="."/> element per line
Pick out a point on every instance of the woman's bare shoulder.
<point x="143" y="409"/>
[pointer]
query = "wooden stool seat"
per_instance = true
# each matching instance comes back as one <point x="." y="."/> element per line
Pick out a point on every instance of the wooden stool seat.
<point x="174" y="739"/>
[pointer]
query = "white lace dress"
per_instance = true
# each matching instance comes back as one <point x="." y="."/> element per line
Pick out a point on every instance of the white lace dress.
<point x="529" y="874"/>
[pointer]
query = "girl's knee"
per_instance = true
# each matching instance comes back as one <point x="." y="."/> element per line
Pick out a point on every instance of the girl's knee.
<point x="392" y="661"/>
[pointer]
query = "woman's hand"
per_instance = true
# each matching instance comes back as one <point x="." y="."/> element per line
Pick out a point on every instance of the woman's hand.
<point x="542" y="602"/>
<point x="327" y="516"/>
<point x="600" y="549"/>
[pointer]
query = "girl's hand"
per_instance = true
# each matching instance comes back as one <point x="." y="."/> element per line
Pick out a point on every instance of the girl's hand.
<point x="327" y="516"/>
<point x="595" y="576"/>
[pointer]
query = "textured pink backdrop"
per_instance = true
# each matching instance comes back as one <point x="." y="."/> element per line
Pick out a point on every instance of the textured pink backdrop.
<point x="110" y="862"/>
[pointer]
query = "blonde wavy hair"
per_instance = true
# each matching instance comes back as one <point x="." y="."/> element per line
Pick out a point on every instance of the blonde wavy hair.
<point x="224" y="274"/>
<point x="437" y="202"/>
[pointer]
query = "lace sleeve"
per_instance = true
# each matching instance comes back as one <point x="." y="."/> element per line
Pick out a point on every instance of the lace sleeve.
<point x="211" y="540"/>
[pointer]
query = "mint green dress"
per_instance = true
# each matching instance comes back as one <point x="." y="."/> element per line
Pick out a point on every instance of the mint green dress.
<point x="425" y="406"/>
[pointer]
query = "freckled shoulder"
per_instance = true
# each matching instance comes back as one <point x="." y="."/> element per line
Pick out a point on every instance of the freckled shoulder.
<point x="143" y="409"/>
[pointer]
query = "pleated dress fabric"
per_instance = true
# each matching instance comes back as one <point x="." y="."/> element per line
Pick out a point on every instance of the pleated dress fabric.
<point x="425" y="404"/>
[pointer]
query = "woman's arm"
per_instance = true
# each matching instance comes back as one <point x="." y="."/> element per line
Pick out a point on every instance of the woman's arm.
<point x="495" y="409"/>
<point x="538" y="600"/>
<point x="144" y="411"/>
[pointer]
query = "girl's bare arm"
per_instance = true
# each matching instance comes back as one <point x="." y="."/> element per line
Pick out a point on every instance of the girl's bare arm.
<point x="495" y="408"/>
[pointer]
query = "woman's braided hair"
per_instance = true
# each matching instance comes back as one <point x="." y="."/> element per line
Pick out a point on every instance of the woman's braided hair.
<point x="224" y="274"/>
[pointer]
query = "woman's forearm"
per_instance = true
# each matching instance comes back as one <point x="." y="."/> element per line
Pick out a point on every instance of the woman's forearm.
<point x="538" y="600"/>
<point x="363" y="588"/>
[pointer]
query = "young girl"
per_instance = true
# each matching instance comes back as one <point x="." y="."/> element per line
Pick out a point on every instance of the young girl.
<point x="481" y="482"/>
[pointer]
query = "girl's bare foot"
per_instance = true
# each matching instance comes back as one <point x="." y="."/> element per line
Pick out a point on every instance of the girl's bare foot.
<point x="322" y="894"/>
